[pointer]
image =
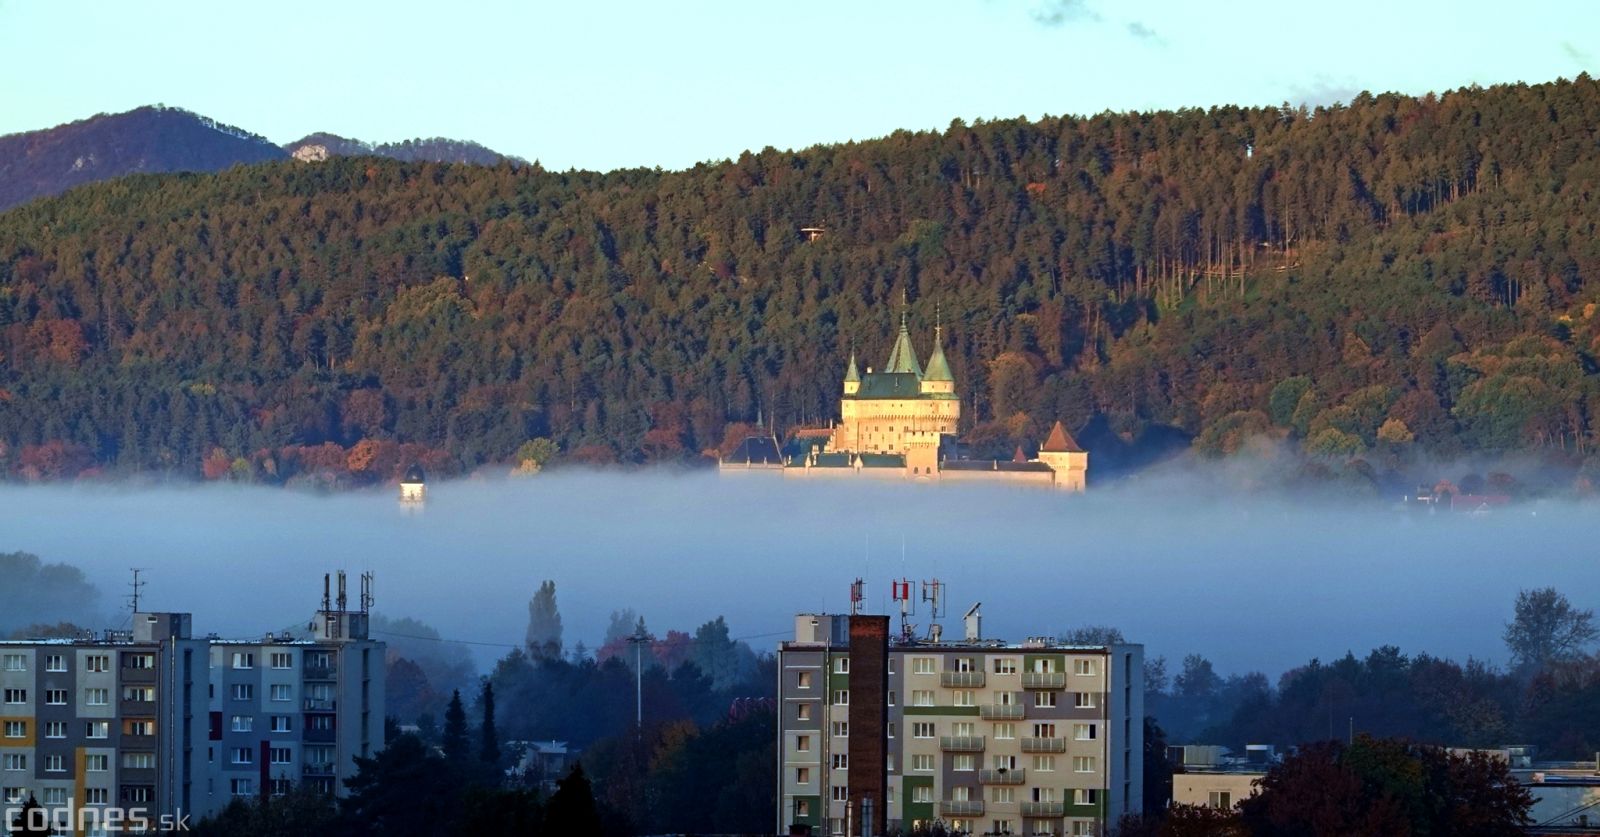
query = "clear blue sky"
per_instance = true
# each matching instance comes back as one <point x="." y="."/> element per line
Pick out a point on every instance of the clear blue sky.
<point x="603" y="84"/>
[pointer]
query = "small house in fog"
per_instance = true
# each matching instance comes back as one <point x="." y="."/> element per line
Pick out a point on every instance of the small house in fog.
<point x="413" y="486"/>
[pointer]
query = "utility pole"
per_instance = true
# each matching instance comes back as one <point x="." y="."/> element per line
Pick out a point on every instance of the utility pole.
<point x="638" y="639"/>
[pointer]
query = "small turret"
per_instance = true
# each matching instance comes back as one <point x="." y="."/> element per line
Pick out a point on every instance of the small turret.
<point x="938" y="380"/>
<point x="1064" y="456"/>
<point x="852" y="378"/>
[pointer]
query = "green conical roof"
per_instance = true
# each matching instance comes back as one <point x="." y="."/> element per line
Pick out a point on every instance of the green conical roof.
<point x="903" y="358"/>
<point x="851" y="375"/>
<point x="938" y="367"/>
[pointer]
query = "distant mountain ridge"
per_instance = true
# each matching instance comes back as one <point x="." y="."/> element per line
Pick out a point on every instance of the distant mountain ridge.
<point x="156" y="139"/>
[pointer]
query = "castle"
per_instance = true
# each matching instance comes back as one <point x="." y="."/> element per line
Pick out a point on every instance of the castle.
<point x="899" y="422"/>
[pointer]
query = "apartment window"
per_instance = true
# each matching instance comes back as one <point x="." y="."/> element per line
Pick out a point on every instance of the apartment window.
<point x="1221" y="799"/>
<point x="922" y="762"/>
<point x="802" y="680"/>
<point x="280" y="755"/>
<point x="139" y="727"/>
<point x="1044" y="794"/>
<point x="55" y="662"/>
<point x="142" y="793"/>
<point x="802" y="808"/>
<point x="1044" y="730"/>
<point x="841" y="697"/>
<point x="16" y="695"/>
<point x="97" y="796"/>
<point x="54" y="797"/>
<point x="891" y="665"/>
<point x="1006" y="729"/>
<point x="1006" y="795"/>
<point x="244" y="659"/>
<point x="280" y="692"/>
<point x="922" y="665"/>
<point x="1084" y="700"/>
<point x="894" y="697"/>
<point x="802" y="775"/>
<point x="55" y="729"/>
<point x="841" y="793"/>
<point x="55" y="697"/>
<point x="15" y="761"/>
<point x="888" y="762"/>
<point x="244" y="691"/>
<point x="964" y="697"/>
<point x="1087" y="796"/>
<point x="280" y="723"/>
<point x="802" y="743"/>
<point x="282" y="659"/>
<point x="1083" y="732"/>
<point x="139" y="660"/>
<point x="922" y="697"/>
<point x="960" y="793"/>
<point x="1085" y="667"/>
<point x="244" y="723"/>
<point x="890" y="795"/>
<point x="964" y="762"/>
<point x="841" y="665"/>
<point x="841" y="729"/>
<point x="841" y="761"/>
<point x="802" y="711"/>
<point x="14" y="794"/>
<point x="1044" y="764"/>
<point x="964" y="664"/>
<point x="16" y="729"/>
<point x="1044" y="699"/>
<point x="97" y="697"/>
<point x="963" y="729"/>
<point x="138" y="761"/>
<point x="244" y="755"/>
<point x="97" y="729"/>
<point x="320" y="722"/>
<point x="1083" y="828"/>
<point x="922" y="793"/>
<point x="891" y="727"/>
<point x="1083" y="764"/>
<point x="1005" y="665"/>
<point x="14" y="662"/>
<point x="97" y="663"/>
<point x="97" y="763"/>
<point x="139" y="694"/>
<point x="241" y="787"/>
<point x="922" y="729"/>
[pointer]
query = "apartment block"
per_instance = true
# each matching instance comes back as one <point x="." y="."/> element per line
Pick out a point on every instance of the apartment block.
<point x="881" y="732"/>
<point x="134" y="725"/>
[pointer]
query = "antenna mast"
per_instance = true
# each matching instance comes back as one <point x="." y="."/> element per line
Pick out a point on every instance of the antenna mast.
<point x="136" y="586"/>
<point x="933" y="593"/>
<point x="858" y="596"/>
<point x="902" y="594"/>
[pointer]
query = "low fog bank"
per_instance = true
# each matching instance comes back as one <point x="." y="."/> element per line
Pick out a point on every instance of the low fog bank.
<point x="1252" y="583"/>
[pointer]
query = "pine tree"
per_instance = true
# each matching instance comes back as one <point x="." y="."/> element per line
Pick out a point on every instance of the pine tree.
<point x="490" y="751"/>
<point x="455" y="743"/>
<point x="544" y="624"/>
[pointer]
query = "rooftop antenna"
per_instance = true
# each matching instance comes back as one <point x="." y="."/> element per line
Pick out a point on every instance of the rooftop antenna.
<point x="902" y="595"/>
<point x="137" y="585"/>
<point x="327" y="601"/>
<point x="858" y="596"/>
<point x="973" y="620"/>
<point x="343" y="599"/>
<point x="366" y="592"/>
<point x="933" y="593"/>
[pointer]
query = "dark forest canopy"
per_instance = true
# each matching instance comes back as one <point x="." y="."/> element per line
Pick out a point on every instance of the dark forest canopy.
<point x="1399" y="274"/>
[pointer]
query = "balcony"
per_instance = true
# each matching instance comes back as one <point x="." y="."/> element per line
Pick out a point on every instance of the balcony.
<point x="1003" y="776"/>
<point x="324" y="768"/>
<point x="1044" y="809"/>
<point x="321" y="704"/>
<point x="961" y="743"/>
<point x="320" y="736"/>
<point x="311" y="672"/>
<point x="1044" y="745"/>
<point x="1001" y="712"/>
<point x="1044" y="680"/>
<point x="961" y="679"/>
<point x="961" y="807"/>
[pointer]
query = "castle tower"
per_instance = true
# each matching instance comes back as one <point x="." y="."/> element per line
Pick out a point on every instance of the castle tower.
<point x="1064" y="456"/>
<point x="852" y="378"/>
<point x="413" y="487"/>
<point x="938" y="380"/>
<point x="903" y="358"/>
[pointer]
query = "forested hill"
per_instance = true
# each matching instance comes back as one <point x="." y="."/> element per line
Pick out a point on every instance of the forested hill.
<point x="1397" y="275"/>
<point x="148" y="139"/>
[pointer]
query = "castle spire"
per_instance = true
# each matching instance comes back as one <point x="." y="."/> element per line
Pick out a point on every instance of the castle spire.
<point x="903" y="358"/>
